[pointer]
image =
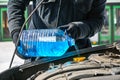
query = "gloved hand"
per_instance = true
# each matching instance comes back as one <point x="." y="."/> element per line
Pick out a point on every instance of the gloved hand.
<point x="72" y="30"/>
<point x="15" y="37"/>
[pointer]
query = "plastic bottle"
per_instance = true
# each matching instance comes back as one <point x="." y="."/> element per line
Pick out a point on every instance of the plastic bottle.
<point x="44" y="43"/>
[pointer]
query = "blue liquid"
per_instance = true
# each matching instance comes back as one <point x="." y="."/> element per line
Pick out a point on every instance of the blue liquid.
<point x="43" y="49"/>
<point x="44" y="43"/>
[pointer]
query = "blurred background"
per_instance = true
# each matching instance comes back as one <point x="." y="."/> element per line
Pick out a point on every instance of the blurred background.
<point x="110" y="32"/>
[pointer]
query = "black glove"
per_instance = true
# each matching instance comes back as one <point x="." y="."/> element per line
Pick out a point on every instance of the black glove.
<point x="15" y="37"/>
<point x="72" y="30"/>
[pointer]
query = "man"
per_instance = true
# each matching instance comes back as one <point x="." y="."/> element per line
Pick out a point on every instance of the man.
<point x="80" y="18"/>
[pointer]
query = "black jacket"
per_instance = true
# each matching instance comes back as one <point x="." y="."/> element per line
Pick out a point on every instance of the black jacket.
<point x="54" y="13"/>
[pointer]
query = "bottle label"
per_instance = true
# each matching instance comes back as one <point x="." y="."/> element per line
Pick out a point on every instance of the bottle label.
<point x="47" y="39"/>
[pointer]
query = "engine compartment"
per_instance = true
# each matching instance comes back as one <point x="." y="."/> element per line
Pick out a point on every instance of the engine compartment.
<point x="97" y="67"/>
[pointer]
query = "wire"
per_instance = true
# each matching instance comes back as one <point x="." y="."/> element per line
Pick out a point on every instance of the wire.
<point x="22" y="30"/>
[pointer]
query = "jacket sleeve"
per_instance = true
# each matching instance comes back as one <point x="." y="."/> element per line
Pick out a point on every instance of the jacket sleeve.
<point x="15" y="13"/>
<point x="94" y="20"/>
